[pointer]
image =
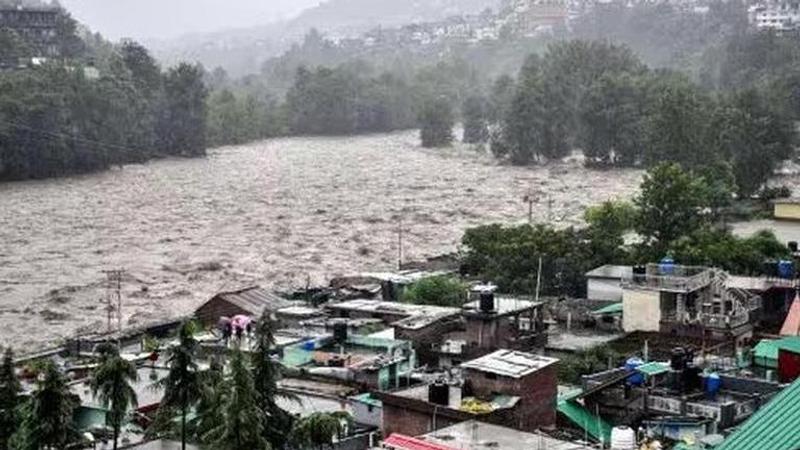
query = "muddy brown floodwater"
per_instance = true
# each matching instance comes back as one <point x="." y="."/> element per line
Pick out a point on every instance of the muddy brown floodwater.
<point x="274" y="213"/>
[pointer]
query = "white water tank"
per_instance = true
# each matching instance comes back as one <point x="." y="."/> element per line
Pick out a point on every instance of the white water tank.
<point x="623" y="438"/>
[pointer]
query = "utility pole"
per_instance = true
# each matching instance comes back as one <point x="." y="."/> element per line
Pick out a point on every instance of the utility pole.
<point x="530" y="199"/>
<point x="115" y="283"/>
<point x="400" y="244"/>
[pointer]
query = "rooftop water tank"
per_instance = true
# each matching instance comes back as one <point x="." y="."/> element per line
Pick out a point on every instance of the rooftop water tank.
<point x="637" y="379"/>
<point x="666" y="266"/>
<point x="439" y="393"/>
<point x="713" y="385"/>
<point x="623" y="438"/>
<point x="786" y="269"/>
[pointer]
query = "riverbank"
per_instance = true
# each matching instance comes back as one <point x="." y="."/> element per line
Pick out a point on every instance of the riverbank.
<point x="274" y="213"/>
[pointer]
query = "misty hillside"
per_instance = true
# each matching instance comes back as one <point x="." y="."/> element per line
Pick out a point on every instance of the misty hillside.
<point x="355" y="15"/>
<point x="242" y="51"/>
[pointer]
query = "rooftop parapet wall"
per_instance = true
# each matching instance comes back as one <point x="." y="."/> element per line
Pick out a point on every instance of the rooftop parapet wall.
<point x="675" y="278"/>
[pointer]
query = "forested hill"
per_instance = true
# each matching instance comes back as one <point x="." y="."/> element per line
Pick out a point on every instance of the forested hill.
<point x="242" y="51"/>
<point x="77" y="103"/>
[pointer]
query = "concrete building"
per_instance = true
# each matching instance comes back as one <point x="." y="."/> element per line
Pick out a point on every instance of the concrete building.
<point x="361" y="360"/>
<point x="494" y="322"/>
<point x="37" y="26"/>
<point x="787" y="208"/>
<point x="422" y="325"/>
<point x="605" y="282"/>
<point x="687" y="301"/>
<point x="475" y="435"/>
<point x="506" y="387"/>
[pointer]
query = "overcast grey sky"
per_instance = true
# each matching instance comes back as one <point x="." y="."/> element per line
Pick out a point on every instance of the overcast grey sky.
<point x="161" y="19"/>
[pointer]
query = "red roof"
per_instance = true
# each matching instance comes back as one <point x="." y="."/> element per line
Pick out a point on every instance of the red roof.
<point x="402" y="442"/>
<point x="791" y="327"/>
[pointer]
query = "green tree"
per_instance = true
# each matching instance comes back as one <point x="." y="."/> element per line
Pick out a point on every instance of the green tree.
<point x="612" y="129"/>
<point x="213" y="394"/>
<point x="9" y="398"/>
<point x="243" y="420"/>
<point x="319" y="430"/>
<point x="266" y="373"/>
<point x="439" y="291"/>
<point x="677" y="123"/>
<point x="111" y="385"/>
<point x="671" y="204"/>
<point x="436" y="122"/>
<point x="182" y="386"/>
<point x="183" y="125"/>
<point x="47" y="416"/>
<point x="474" y="114"/>
<point x="608" y="223"/>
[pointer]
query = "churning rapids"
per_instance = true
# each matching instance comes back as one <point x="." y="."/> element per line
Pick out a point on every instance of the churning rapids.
<point x="274" y="213"/>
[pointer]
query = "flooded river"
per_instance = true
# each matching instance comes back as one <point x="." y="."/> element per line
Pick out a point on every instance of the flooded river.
<point x="274" y="213"/>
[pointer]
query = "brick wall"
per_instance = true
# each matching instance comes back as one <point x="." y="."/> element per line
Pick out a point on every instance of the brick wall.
<point x="537" y="392"/>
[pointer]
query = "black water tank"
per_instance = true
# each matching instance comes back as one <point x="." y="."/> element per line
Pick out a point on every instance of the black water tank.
<point x="340" y="331"/>
<point x="487" y="301"/>
<point x="639" y="270"/>
<point x="439" y="393"/>
<point x="678" y="359"/>
<point x="793" y="246"/>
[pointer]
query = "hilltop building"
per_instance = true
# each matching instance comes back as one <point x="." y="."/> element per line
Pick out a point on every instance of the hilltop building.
<point x="36" y="26"/>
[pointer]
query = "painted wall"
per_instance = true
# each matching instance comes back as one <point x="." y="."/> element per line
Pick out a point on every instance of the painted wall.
<point x="789" y="211"/>
<point x="641" y="310"/>
<point x="604" y="289"/>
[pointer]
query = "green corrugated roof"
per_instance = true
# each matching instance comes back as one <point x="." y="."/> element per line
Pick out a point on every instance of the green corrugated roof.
<point x="653" y="368"/>
<point x="594" y="425"/>
<point x="775" y="426"/>
<point x="615" y="308"/>
<point x="766" y="351"/>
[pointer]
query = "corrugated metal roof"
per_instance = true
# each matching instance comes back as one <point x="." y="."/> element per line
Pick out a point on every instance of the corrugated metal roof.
<point x="775" y="426"/>
<point x="255" y="300"/>
<point x="399" y="441"/>
<point x="615" y="308"/>
<point x="509" y="363"/>
<point x="653" y="368"/>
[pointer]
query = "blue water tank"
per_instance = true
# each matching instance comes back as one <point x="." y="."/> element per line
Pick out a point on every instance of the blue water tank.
<point x="666" y="266"/>
<point x="713" y="385"/>
<point x="309" y="346"/>
<point x="786" y="269"/>
<point x="637" y="379"/>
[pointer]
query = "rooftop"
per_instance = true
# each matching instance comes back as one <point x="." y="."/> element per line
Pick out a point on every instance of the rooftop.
<point x="611" y="271"/>
<point x="474" y="435"/>
<point x="509" y="363"/>
<point x="255" y="300"/>
<point x="760" y="430"/>
<point x="503" y="306"/>
<point x="458" y="402"/>
<point x="416" y="316"/>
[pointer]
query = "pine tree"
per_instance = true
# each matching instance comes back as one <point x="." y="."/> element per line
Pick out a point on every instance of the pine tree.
<point x="243" y="420"/>
<point x="111" y="384"/>
<point x="47" y="417"/>
<point x="267" y="372"/>
<point x="9" y="398"/>
<point x="182" y="387"/>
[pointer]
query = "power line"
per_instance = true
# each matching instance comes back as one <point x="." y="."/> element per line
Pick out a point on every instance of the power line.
<point x="59" y="135"/>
